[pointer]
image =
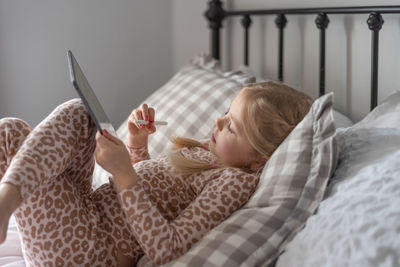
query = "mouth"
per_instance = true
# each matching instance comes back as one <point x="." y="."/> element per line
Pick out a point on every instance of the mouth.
<point x="213" y="138"/>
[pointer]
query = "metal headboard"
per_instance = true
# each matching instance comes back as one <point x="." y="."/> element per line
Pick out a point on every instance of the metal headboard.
<point x="216" y="14"/>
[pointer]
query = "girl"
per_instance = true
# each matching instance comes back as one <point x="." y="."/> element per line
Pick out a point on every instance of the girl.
<point x="159" y="207"/>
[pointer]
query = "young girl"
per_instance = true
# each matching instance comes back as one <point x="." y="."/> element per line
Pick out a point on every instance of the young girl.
<point x="160" y="207"/>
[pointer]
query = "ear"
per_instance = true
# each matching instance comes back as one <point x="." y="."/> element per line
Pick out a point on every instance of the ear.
<point x="258" y="163"/>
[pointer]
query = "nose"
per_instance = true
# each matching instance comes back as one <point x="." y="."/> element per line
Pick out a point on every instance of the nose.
<point x="219" y="123"/>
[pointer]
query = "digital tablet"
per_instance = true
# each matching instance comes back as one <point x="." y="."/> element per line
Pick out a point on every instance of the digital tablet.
<point x="88" y="97"/>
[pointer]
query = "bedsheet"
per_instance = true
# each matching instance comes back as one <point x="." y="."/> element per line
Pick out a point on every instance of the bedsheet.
<point x="10" y="251"/>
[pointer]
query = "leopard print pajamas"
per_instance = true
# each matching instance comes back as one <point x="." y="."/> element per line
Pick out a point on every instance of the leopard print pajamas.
<point x="63" y="222"/>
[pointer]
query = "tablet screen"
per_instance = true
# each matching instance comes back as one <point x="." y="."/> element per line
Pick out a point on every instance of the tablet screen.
<point x="87" y="95"/>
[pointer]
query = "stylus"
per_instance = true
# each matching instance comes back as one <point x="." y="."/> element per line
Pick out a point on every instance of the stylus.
<point x="143" y="122"/>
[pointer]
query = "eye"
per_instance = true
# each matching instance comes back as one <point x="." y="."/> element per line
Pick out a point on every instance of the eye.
<point x="229" y="128"/>
<point x="227" y="110"/>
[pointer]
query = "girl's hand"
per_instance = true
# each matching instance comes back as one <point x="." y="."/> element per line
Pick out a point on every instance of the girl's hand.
<point x="112" y="155"/>
<point x="138" y="134"/>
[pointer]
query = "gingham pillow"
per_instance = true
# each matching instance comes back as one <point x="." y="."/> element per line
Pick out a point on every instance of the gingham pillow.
<point x="190" y="101"/>
<point x="290" y="189"/>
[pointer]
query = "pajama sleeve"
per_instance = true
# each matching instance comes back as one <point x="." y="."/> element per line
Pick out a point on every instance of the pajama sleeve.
<point x="138" y="154"/>
<point x="164" y="240"/>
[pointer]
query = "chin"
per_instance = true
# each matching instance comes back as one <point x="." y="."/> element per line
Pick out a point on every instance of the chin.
<point x="213" y="148"/>
<point x="211" y="145"/>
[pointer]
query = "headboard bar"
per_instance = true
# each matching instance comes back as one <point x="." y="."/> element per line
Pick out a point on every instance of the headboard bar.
<point x="246" y="22"/>
<point x="375" y="22"/>
<point x="280" y="22"/>
<point x="216" y="14"/>
<point x="327" y="10"/>
<point x="322" y="22"/>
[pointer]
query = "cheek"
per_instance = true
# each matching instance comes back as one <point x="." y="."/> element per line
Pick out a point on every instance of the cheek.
<point x="226" y="150"/>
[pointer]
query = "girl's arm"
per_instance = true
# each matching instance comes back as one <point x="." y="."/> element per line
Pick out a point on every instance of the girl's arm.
<point x="138" y="154"/>
<point x="112" y="155"/>
<point x="164" y="240"/>
<point x="139" y="134"/>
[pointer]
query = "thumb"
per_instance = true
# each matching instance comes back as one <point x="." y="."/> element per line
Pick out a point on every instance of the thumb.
<point x="112" y="138"/>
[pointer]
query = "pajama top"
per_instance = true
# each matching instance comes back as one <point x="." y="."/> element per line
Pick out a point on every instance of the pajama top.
<point x="168" y="212"/>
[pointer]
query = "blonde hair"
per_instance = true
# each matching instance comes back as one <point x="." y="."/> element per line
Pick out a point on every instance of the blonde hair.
<point x="272" y="110"/>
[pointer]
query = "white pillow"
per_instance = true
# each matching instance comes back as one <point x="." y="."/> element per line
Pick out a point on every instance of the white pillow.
<point x="358" y="222"/>
<point x="341" y="121"/>
<point x="190" y="101"/>
<point x="386" y="114"/>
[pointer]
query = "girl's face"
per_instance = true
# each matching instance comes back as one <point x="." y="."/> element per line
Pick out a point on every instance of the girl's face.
<point x="228" y="140"/>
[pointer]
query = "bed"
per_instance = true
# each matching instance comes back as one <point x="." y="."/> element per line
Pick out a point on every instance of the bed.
<point x="343" y="210"/>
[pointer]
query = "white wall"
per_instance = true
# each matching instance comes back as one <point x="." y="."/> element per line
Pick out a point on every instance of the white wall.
<point x="348" y="48"/>
<point x="124" y="47"/>
<point x="190" y="30"/>
<point x="127" y="52"/>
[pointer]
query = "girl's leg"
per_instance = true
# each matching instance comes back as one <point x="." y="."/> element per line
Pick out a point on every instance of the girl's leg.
<point x="60" y="221"/>
<point x="61" y="143"/>
<point x="52" y="173"/>
<point x="13" y="132"/>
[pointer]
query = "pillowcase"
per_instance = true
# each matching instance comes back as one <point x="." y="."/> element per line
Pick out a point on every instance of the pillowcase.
<point x="358" y="222"/>
<point x="341" y="121"/>
<point x="385" y="115"/>
<point x="291" y="186"/>
<point x="190" y="101"/>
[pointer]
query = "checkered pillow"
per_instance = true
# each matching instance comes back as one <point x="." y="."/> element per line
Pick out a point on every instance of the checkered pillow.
<point x="290" y="189"/>
<point x="190" y="101"/>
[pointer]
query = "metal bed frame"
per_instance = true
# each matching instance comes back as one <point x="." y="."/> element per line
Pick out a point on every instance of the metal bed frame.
<point x="216" y="14"/>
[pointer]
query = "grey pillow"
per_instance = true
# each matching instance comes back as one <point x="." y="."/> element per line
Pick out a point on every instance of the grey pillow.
<point x="291" y="187"/>
<point x="190" y="101"/>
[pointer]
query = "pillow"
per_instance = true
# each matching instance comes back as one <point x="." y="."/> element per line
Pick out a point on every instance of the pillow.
<point x="246" y="69"/>
<point x="341" y="121"/>
<point x="357" y="223"/>
<point x="190" y="101"/>
<point x="290" y="188"/>
<point x="385" y="114"/>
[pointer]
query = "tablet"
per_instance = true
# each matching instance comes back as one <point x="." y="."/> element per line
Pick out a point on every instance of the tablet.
<point x="88" y="97"/>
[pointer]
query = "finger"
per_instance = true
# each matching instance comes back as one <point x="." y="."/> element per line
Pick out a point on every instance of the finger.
<point x="150" y="126"/>
<point x="102" y="146"/>
<point x="102" y="140"/>
<point x="145" y="112"/>
<point x="98" y="136"/>
<point x="152" y="129"/>
<point x="132" y="127"/>
<point x="138" y="116"/>
<point x="133" y="118"/>
<point x="111" y="138"/>
<point x="151" y="115"/>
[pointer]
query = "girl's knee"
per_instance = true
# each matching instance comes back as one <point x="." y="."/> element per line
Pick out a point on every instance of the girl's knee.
<point x="10" y="123"/>
<point x="75" y="103"/>
<point x="73" y="112"/>
<point x="72" y="108"/>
